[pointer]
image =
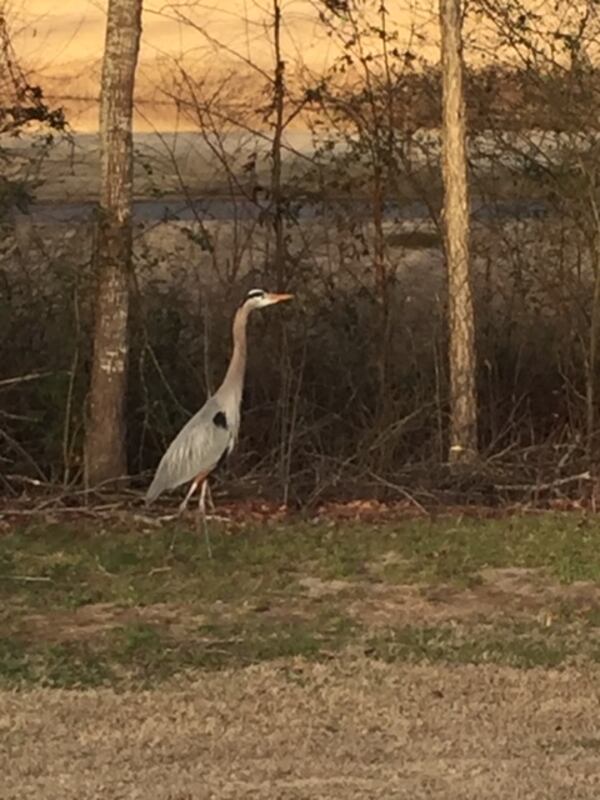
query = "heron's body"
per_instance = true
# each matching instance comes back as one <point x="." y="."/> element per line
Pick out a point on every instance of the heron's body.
<point x="211" y="433"/>
<point x="197" y="448"/>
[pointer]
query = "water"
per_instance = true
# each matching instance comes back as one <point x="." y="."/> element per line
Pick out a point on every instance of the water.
<point x="227" y="209"/>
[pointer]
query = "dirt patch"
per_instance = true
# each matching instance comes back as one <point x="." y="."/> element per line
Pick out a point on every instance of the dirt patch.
<point x="498" y="595"/>
<point x="96" y="618"/>
<point x="292" y="730"/>
<point x="317" y="589"/>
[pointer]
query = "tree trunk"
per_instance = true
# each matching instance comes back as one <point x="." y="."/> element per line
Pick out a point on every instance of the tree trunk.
<point x="276" y="197"/>
<point x="106" y="429"/>
<point x="280" y="249"/>
<point x="592" y="360"/>
<point x="463" y="433"/>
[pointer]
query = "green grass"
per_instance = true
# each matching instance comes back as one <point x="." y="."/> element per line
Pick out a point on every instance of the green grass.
<point x="64" y="665"/>
<point x="523" y="646"/>
<point x="144" y="654"/>
<point x="80" y="563"/>
<point x="173" y="610"/>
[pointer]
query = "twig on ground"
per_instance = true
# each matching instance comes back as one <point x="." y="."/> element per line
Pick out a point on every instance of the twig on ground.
<point x="103" y="569"/>
<point x="157" y="570"/>
<point x="400" y="489"/>
<point x="541" y="487"/>
<point x="156" y="522"/>
<point x="88" y="510"/>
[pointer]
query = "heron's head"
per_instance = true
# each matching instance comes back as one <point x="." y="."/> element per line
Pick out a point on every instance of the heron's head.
<point x="258" y="298"/>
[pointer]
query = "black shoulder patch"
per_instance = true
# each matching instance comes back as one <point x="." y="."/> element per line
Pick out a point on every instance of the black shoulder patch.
<point x="220" y="420"/>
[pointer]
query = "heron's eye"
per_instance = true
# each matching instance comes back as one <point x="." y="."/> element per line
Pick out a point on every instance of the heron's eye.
<point x="255" y="293"/>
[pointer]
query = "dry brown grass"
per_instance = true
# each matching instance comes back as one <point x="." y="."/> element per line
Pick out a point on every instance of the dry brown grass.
<point x="349" y="728"/>
<point x="306" y="661"/>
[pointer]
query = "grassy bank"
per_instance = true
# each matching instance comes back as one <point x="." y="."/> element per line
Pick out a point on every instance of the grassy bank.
<point x="131" y="601"/>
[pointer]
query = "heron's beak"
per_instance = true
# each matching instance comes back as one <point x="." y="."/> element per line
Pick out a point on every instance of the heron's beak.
<point x="279" y="298"/>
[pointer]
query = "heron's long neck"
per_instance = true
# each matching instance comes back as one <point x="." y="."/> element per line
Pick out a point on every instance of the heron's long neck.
<point x="234" y="377"/>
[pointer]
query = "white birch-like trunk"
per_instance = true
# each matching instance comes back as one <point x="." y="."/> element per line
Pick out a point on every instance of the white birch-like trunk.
<point x="463" y="400"/>
<point x="105" y="451"/>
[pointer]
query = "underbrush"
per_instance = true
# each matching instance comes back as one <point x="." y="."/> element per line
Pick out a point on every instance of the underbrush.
<point x="330" y="407"/>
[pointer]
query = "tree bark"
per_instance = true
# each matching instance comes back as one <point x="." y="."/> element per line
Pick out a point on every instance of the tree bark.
<point x="463" y="401"/>
<point x="106" y="429"/>
<point x="278" y="107"/>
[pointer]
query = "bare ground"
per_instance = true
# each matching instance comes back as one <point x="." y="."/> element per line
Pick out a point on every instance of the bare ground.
<point x="349" y="728"/>
<point x="413" y="696"/>
<point x="513" y="594"/>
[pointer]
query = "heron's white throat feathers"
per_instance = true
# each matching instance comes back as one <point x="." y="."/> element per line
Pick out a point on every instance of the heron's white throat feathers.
<point x="229" y="394"/>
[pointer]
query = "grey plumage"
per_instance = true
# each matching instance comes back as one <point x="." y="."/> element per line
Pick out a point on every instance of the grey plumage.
<point x="213" y="431"/>
<point x="198" y="447"/>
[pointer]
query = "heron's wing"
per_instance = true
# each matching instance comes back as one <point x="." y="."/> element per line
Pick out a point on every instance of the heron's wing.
<point x="197" y="448"/>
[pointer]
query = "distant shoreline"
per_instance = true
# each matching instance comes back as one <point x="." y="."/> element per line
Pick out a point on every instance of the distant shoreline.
<point x="225" y="208"/>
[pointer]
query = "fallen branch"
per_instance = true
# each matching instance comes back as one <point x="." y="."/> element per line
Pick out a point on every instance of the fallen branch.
<point x="90" y="511"/>
<point x="34" y="376"/>
<point x="401" y="490"/>
<point x="541" y="487"/>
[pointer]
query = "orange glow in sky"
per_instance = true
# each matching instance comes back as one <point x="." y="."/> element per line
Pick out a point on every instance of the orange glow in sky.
<point x="62" y="44"/>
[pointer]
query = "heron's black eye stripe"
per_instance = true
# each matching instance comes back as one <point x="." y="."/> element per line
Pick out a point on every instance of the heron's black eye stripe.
<point x="220" y="420"/>
<point x="255" y="293"/>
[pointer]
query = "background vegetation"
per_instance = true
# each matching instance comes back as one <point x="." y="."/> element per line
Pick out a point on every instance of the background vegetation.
<point x="348" y="390"/>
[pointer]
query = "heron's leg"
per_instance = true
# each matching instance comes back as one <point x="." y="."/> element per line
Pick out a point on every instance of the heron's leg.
<point x="209" y="497"/>
<point x="191" y="491"/>
<point x="204" y="490"/>
<point x="183" y="506"/>
<point x="208" y="502"/>
<point x="202" y="514"/>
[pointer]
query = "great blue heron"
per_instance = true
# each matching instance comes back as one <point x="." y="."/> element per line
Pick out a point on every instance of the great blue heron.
<point x="212" y="432"/>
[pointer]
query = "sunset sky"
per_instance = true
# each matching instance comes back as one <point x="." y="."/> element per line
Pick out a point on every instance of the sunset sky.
<point x="62" y="44"/>
<point x="74" y="30"/>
